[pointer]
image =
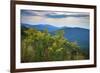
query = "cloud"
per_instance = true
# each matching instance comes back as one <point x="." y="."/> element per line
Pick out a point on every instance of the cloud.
<point x="53" y="14"/>
<point x="66" y="14"/>
<point x="27" y="13"/>
<point x="59" y="19"/>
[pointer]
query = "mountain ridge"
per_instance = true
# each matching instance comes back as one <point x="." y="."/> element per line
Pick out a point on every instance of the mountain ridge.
<point x="73" y="34"/>
<point x="48" y="25"/>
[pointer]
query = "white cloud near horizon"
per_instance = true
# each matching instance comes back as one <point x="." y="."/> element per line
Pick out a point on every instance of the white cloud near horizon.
<point x="58" y="19"/>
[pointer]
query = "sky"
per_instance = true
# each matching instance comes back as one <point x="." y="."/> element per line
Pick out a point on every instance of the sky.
<point x="56" y="18"/>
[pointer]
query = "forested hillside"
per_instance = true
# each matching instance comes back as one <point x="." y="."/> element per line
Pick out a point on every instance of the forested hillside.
<point x="40" y="46"/>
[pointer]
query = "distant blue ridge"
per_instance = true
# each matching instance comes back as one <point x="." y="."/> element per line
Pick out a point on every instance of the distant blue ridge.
<point x="75" y="34"/>
<point x="42" y="27"/>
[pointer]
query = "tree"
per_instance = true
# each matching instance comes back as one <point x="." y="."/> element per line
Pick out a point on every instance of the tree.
<point x="38" y="46"/>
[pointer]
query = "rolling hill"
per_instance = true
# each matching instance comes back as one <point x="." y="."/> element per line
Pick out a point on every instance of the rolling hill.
<point x="41" y="27"/>
<point x="76" y="34"/>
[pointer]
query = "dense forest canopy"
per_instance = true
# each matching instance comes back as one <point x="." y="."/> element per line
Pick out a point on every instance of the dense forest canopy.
<point x="39" y="46"/>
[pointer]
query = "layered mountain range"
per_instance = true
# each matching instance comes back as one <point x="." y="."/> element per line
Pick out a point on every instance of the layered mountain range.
<point x="73" y="34"/>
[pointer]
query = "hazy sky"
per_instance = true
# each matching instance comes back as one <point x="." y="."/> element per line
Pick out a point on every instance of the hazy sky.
<point x="55" y="18"/>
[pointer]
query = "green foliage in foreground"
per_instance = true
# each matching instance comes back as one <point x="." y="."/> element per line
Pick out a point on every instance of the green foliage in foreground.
<point x="38" y="46"/>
